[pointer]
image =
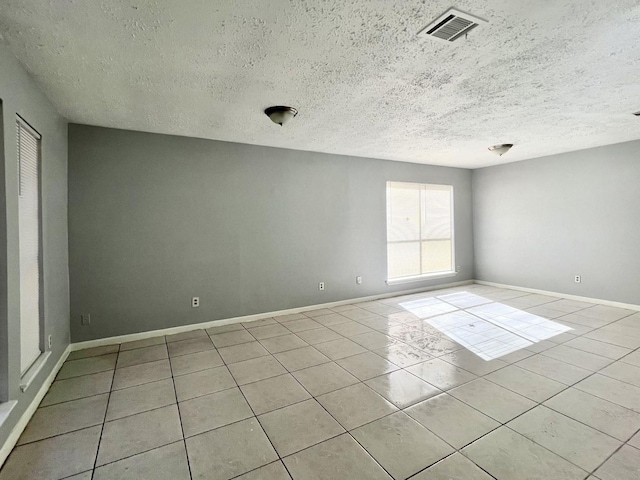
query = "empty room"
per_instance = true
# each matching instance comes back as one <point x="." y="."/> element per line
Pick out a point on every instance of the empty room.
<point x="319" y="240"/>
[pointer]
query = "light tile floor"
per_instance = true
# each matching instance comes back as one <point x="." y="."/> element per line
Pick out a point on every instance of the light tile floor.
<point x="366" y="391"/>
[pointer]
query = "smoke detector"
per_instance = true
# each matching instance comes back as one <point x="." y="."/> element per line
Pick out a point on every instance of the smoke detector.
<point x="450" y="26"/>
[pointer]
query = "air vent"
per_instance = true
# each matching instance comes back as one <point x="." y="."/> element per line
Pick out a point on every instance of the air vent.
<point x="450" y="26"/>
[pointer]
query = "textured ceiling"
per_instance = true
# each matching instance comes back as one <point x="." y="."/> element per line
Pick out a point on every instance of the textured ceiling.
<point x="549" y="76"/>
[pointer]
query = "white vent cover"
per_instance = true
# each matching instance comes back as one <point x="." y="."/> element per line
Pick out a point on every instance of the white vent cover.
<point x="450" y="26"/>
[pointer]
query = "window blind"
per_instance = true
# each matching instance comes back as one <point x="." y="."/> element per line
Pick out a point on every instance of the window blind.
<point x="419" y="229"/>
<point x="28" y="141"/>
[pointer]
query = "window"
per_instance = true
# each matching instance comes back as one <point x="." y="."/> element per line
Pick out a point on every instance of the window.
<point x="28" y="141"/>
<point x="419" y="231"/>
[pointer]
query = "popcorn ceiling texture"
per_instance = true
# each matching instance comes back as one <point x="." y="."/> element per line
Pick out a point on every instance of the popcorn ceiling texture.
<point x="549" y="76"/>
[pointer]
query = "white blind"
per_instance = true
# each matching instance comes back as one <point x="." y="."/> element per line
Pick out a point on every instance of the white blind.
<point x="29" y="232"/>
<point x="419" y="229"/>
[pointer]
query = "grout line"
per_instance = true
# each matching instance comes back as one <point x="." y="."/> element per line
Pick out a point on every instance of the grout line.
<point x="549" y="450"/>
<point x="594" y="353"/>
<point x="143" y="411"/>
<point x="592" y="472"/>
<point x="141" y="363"/>
<point x="451" y="455"/>
<point x="90" y="472"/>
<point x="75" y="399"/>
<point x="261" y="426"/>
<point x="59" y="435"/>
<point x="95" y="461"/>
<point x="184" y="440"/>
<point x="577" y="350"/>
<point x="278" y="460"/>
<point x="85" y="374"/>
<point x="367" y="451"/>
<point x="132" y="455"/>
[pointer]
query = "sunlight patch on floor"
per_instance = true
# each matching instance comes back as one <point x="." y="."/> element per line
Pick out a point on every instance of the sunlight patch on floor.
<point x="489" y="329"/>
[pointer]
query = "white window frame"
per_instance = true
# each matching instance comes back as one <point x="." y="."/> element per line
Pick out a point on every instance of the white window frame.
<point x="424" y="276"/>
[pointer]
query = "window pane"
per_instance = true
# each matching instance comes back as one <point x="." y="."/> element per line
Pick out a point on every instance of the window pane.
<point x="403" y="259"/>
<point x="436" y="213"/>
<point x="419" y="229"/>
<point x="403" y="212"/>
<point x="436" y="256"/>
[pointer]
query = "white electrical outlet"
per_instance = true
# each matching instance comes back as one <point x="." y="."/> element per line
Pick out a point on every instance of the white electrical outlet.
<point x="49" y="341"/>
<point x="321" y="286"/>
<point x="458" y="268"/>
<point x="577" y="279"/>
<point x="195" y="302"/>
<point x="359" y="280"/>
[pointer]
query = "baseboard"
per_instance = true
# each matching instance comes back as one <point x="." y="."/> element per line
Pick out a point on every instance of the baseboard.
<point x="259" y="316"/>
<point x="628" y="306"/>
<point x="13" y="437"/>
<point x="249" y="318"/>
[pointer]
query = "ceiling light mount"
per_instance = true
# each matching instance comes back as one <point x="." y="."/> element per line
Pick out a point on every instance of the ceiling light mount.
<point x="501" y="148"/>
<point x="280" y="114"/>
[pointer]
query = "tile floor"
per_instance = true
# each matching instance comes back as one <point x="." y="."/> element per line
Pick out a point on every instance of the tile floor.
<point x="468" y="383"/>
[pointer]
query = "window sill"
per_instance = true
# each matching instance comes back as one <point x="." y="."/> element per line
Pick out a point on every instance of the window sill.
<point x="33" y="371"/>
<point x="420" y="278"/>
<point x="5" y="410"/>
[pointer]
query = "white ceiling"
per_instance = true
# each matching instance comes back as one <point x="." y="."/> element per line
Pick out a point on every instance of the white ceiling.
<point x="549" y="76"/>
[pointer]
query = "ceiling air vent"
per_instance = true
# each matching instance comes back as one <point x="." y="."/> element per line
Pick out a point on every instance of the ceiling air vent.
<point x="450" y="26"/>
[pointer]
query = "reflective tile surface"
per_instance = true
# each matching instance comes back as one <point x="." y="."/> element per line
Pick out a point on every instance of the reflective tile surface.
<point x="468" y="383"/>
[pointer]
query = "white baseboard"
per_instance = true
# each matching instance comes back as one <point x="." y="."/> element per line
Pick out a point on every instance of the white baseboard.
<point x="259" y="316"/>
<point x="13" y="437"/>
<point x="249" y="318"/>
<point x="628" y="306"/>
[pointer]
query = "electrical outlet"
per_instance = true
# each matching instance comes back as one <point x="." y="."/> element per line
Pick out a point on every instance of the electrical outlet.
<point x="321" y="286"/>
<point x="85" y="319"/>
<point x="577" y="279"/>
<point x="49" y="341"/>
<point x="458" y="268"/>
<point x="195" y="302"/>
<point x="359" y="280"/>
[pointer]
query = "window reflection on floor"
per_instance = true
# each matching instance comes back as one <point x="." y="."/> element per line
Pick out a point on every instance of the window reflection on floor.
<point x="487" y="328"/>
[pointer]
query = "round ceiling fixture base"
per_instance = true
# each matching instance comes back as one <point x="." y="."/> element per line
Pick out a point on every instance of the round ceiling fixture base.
<point x="501" y="148"/>
<point x="280" y="114"/>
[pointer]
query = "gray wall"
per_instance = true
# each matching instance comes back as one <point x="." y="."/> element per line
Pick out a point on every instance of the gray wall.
<point x="157" y="219"/>
<point x="537" y="223"/>
<point x="19" y="94"/>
